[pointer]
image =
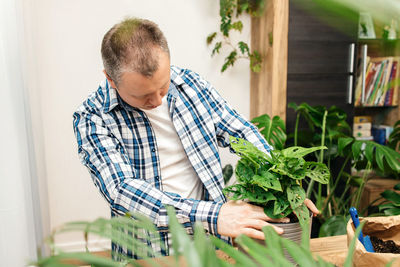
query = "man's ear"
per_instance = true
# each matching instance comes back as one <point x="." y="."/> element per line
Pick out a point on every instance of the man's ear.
<point x="110" y="80"/>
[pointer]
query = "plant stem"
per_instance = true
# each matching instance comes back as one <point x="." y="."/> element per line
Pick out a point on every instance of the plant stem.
<point x="361" y="188"/>
<point x="296" y="128"/>
<point x="338" y="177"/>
<point x="321" y="158"/>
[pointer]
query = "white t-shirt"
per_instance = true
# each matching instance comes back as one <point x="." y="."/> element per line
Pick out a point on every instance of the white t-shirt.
<point x="178" y="175"/>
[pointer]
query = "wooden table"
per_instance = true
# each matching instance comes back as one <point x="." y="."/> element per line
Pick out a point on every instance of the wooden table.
<point x="332" y="249"/>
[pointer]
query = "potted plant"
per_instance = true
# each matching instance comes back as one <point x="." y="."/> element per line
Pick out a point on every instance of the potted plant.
<point x="274" y="181"/>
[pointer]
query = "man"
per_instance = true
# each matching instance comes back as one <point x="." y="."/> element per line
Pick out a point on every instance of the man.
<point x="150" y="134"/>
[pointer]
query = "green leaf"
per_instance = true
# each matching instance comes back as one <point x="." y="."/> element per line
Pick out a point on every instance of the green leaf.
<point x="280" y="205"/>
<point x="211" y="37"/>
<point x="318" y="172"/>
<point x="303" y="214"/>
<point x="180" y="240"/>
<point x="269" y="209"/>
<point x="357" y="149"/>
<point x="216" y="49"/>
<point x="236" y="192"/>
<point x="244" y="172"/>
<point x="334" y="225"/>
<point x="386" y="158"/>
<point x="254" y="194"/>
<point x="267" y="181"/>
<point x="232" y="252"/>
<point x="396" y="187"/>
<point x="85" y="257"/>
<point x="369" y="151"/>
<point x="275" y="247"/>
<point x="243" y="47"/>
<point x="352" y="246"/>
<point x="394" y="137"/>
<point x="272" y="130"/>
<point x="255" y="61"/>
<point x="229" y="60"/>
<point x="292" y="167"/>
<point x="259" y="195"/>
<point x="247" y="150"/>
<point x="391" y="196"/>
<point x="238" y="25"/>
<point x="343" y="143"/>
<point x="300" y="152"/>
<point x="227" y="172"/>
<point x="392" y="211"/>
<point x="296" y="195"/>
<point x="300" y="255"/>
<point x="255" y="250"/>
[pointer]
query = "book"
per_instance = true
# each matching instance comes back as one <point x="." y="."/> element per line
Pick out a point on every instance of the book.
<point x="363" y="126"/>
<point x="362" y="133"/>
<point x="374" y="90"/>
<point x="365" y="138"/>
<point x="389" y="95"/>
<point x="362" y="119"/>
<point x="395" y="93"/>
<point x="375" y="70"/>
<point x="358" y="91"/>
<point x="384" y="86"/>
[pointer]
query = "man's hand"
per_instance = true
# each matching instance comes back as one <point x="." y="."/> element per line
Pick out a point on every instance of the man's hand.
<point x="311" y="206"/>
<point x="239" y="217"/>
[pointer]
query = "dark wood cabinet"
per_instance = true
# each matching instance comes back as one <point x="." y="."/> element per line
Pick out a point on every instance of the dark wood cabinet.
<point x="321" y="62"/>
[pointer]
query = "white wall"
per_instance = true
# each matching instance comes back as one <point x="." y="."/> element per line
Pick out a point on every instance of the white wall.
<point x="17" y="208"/>
<point x="66" y="66"/>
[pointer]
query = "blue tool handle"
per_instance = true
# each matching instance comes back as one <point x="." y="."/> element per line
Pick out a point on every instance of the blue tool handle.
<point x="365" y="240"/>
<point x="356" y="222"/>
<point x="368" y="245"/>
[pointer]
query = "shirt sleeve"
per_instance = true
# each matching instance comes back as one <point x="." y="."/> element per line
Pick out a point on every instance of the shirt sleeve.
<point x="230" y="123"/>
<point x="112" y="172"/>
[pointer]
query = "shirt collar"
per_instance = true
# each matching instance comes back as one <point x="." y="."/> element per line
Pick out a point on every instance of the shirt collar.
<point x="111" y="97"/>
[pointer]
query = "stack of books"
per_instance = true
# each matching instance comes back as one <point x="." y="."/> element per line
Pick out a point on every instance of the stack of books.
<point x="381" y="85"/>
<point x="362" y="127"/>
<point x="381" y="133"/>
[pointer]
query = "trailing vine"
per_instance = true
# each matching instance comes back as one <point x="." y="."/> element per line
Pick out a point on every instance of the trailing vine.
<point x="230" y="12"/>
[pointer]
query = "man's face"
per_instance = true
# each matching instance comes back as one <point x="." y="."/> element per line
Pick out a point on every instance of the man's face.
<point x="145" y="92"/>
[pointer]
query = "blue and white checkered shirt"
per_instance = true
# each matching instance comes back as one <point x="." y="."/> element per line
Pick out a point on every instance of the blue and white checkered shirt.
<point x="118" y="146"/>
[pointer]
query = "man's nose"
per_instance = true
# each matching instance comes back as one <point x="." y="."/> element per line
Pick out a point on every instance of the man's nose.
<point x="156" y="100"/>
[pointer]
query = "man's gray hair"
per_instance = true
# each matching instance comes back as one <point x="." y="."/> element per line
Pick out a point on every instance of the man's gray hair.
<point x="130" y="46"/>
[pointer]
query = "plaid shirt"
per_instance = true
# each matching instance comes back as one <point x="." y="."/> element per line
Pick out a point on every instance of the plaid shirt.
<point x="118" y="146"/>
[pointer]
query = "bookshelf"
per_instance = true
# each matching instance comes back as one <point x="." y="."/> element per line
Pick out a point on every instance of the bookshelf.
<point x="377" y="88"/>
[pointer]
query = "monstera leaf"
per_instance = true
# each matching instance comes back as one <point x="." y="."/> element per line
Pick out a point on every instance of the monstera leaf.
<point x="272" y="130"/>
<point x="394" y="137"/>
<point x="300" y="152"/>
<point x="248" y="151"/>
<point x="385" y="158"/>
<point x="318" y="172"/>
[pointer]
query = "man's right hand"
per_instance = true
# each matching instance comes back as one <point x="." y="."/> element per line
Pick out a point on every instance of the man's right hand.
<point x="239" y="217"/>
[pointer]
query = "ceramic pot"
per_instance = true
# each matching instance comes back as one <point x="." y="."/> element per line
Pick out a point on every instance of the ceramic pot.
<point x="292" y="231"/>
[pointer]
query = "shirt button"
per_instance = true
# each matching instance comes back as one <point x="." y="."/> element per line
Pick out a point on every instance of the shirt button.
<point x="157" y="177"/>
<point x="153" y="150"/>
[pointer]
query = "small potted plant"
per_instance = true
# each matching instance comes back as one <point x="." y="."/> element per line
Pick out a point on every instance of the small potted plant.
<point x="274" y="182"/>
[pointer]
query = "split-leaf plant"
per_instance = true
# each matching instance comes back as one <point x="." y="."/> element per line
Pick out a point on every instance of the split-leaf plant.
<point x="274" y="181"/>
<point x="388" y="204"/>
<point x="328" y="127"/>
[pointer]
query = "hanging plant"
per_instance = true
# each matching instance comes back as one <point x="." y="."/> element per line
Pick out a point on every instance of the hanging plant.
<point x="230" y="12"/>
